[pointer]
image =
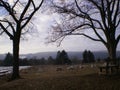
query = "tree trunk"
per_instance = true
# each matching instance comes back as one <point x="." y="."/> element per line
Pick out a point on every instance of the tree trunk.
<point x="112" y="53"/>
<point x="15" y="74"/>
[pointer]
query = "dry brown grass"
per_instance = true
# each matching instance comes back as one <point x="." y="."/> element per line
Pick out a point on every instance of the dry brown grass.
<point x="47" y="78"/>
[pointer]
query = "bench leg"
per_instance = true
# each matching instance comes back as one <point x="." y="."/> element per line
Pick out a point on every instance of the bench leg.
<point x="107" y="70"/>
<point x="100" y="69"/>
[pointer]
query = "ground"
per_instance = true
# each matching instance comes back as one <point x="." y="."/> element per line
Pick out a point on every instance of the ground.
<point x="47" y="77"/>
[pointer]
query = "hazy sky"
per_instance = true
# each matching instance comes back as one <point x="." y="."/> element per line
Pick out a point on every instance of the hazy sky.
<point x="36" y="42"/>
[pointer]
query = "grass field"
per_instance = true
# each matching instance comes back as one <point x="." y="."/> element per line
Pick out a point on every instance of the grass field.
<point x="47" y="78"/>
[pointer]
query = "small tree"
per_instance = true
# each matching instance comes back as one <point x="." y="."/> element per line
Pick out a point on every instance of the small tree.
<point x="19" y="13"/>
<point x="8" y="61"/>
<point x="91" y="57"/>
<point x="65" y="58"/>
<point x="42" y="61"/>
<point x="62" y="58"/>
<point x="58" y="57"/>
<point x="51" y="60"/>
<point x="88" y="57"/>
<point x="85" y="56"/>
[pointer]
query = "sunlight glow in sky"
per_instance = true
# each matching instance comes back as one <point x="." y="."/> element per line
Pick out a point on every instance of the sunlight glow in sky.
<point x="10" y="2"/>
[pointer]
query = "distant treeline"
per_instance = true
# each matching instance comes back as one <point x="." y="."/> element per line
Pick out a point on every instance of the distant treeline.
<point x="61" y="59"/>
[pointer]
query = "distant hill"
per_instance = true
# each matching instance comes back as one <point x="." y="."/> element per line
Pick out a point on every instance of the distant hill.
<point x="39" y="55"/>
<point x="99" y="54"/>
<point x="2" y="56"/>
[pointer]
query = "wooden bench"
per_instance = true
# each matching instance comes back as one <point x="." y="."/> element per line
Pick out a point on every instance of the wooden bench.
<point x="108" y="69"/>
<point x="3" y="72"/>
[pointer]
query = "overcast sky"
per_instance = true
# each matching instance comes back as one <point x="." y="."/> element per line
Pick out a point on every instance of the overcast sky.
<point x="36" y="42"/>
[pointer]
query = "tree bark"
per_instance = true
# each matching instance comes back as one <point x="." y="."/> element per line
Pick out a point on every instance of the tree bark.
<point x="112" y="53"/>
<point x="15" y="74"/>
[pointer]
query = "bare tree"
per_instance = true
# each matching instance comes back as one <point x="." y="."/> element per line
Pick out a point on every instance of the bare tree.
<point x="100" y="17"/>
<point x="18" y="16"/>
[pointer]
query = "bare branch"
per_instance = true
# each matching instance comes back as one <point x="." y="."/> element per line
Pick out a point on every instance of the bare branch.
<point x="33" y="4"/>
<point x="25" y="10"/>
<point x="118" y="23"/>
<point x="9" y="24"/>
<point x="118" y="39"/>
<point x="85" y="36"/>
<point x="4" y="29"/>
<point x="117" y="10"/>
<point x="1" y="32"/>
<point x="8" y="8"/>
<point x="59" y="39"/>
<point x="15" y="4"/>
<point x="30" y="16"/>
